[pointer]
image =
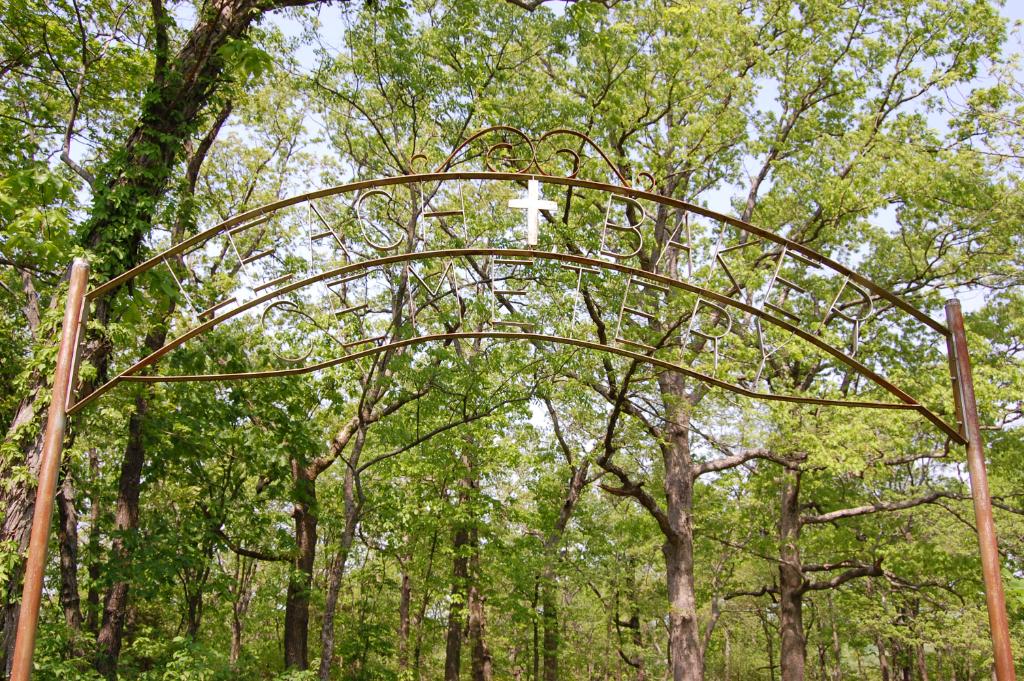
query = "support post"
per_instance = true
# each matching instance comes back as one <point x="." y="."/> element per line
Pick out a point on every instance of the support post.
<point x="49" y="467"/>
<point x="967" y="407"/>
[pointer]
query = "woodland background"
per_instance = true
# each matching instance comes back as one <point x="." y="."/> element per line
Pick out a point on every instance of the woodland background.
<point x="508" y="517"/>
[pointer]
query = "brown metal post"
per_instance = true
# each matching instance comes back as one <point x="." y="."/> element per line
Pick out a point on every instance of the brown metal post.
<point x="49" y="465"/>
<point x="963" y="389"/>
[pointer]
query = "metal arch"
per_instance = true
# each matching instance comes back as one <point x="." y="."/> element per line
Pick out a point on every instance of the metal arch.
<point x="908" y="402"/>
<point x="630" y="192"/>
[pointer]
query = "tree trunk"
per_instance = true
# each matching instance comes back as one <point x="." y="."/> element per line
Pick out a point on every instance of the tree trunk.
<point x="727" y="658"/>
<point x="549" y="616"/>
<point x="353" y="510"/>
<point x="548" y="579"/>
<point x="883" y="657"/>
<point x="194" y="590"/>
<point x="535" y="648"/>
<point x="300" y="579"/>
<point x="481" y="656"/>
<point x="67" y="539"/>
<point x="126" y="522"/>
<point x="335" y="578"/>
<point x="94" y="549"/>
<point x="922" y="664"/>
<point x="236" y="640"/>
<point x="460" y="574"/>
<point x="404" y="603"/>
<point x="19" y="503"/>
<point x="769" y="644"/>
<point x="245" y="568"/>
<point x="636" y="661"/>
<point x="684" y="637"/>
<point x="837" y="649"/>
<point x="793" y="645"/>
<point x="422" y="613"/>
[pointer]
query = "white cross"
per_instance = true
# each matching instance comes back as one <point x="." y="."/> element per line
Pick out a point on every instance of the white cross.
<point x="533" y="205"/>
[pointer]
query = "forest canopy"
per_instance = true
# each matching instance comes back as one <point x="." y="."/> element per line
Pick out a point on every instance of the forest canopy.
<point x="488" y="504"/>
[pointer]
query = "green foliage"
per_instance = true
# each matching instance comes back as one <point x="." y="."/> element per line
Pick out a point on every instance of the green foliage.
<point x="884" y="134"/>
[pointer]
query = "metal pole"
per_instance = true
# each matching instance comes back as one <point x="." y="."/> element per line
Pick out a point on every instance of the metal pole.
<point x="49" y="465"/>
<point x="967" y="406"/>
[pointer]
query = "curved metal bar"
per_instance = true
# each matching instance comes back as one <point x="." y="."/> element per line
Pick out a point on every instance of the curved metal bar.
<point x="592" y="143"/>
<point x="908" y="401"/>
<point x="576" y="182"/>
<point x="513" y="335"/>
<point x="562" y="340"/>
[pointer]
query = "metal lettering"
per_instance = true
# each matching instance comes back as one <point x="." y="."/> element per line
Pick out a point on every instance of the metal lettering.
<point x="609" y="226"/>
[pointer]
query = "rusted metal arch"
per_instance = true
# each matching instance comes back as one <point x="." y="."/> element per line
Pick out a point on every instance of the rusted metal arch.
<point x="907" y="401"/>
<point x="629" y="192"/>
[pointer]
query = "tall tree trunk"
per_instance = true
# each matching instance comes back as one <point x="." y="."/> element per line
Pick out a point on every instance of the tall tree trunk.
<point x="194" y="592"/>
<point x="638" y="642"/>
<point x="245" y="568"/>
<point x="353" y="502"/>
<point x="793" y="645"/>
<point x="549" y="616"/>
<point x="335" y="578"/>
<point x="548" y="578"/>
<point x="460" y="575"/>
<point x="126" y="522"/>
<point x="19" y="503"/>
<point x="727" y="657"/>
<point x="300" y="579"/>
<point x="769" y="643"/>
<point x="480" y="659"/>
<point x="422" y="612"/>
<point x="535" y="648"/>
<point x="480" y="653"/>
<point x="404" y="603"/>
<point x="67" y="539"/>
<point x="636" y="662"/>
<point x="883" y="656"/>
<point x="126" y="517"/>
<point x="94" y="548"/>
<point x="837" y="649"/>
<point x="684" y="636"/>
<point x="922" y="663"/>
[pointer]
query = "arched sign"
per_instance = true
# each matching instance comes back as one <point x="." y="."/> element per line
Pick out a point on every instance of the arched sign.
<point x="510" y="236"/>
<point x="542" y="240"/>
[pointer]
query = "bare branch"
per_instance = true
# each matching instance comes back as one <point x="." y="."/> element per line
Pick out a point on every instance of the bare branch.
<point x="877" y="507"/>
<point x="632" y="489"/>
<point x="559" y="436"/>
<point x="250" y="553"/>
<point x="196" y="162"/>
<point x="873" y="570"/>
<point x="737" y="459"/>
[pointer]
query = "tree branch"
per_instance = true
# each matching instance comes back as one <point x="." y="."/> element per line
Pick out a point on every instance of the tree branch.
<point x="877" y="507"/>
<point x="737" y="459"/>
<point x="873" y="570"/>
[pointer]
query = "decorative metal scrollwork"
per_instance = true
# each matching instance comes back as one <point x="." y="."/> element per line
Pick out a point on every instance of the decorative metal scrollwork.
<point x="514" y="151"/>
